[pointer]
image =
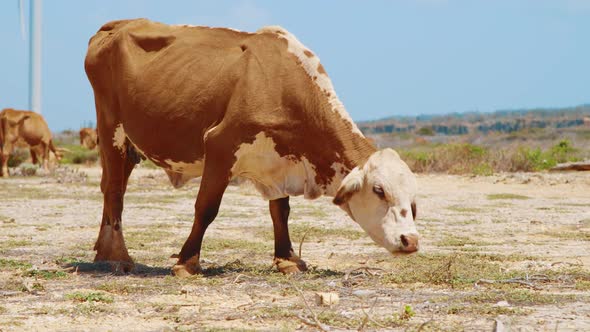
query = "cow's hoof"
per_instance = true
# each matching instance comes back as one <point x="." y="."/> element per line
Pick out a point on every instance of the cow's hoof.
<point x="122" y="264"/>
<point x="290" y="265"/>
<point x="189" y="268"/>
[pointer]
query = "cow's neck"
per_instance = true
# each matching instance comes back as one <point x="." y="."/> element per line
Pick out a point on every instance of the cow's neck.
<point x="356" y="151"/>
<point x="344" y="143"/>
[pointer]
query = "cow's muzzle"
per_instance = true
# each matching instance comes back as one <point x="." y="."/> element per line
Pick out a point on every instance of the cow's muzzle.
<point x="409" y="242"/>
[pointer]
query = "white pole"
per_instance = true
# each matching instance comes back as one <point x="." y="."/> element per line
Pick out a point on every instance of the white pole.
<point x="21" y="17"/>
<point x="35" y="56"/>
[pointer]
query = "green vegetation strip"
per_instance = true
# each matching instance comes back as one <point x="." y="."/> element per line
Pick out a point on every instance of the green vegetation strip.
<point x="10" y="264"/>
<point x="89" y="297"/>
<point x="480" y="160"/>
<point x="506" y="196"/>
<point x="77" y="154"/>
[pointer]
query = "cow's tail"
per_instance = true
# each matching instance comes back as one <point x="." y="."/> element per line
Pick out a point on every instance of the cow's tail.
<point x="55" y="151"/>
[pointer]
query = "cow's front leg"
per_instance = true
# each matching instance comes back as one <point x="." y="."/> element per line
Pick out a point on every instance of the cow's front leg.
<point x="4" y="155"/>
<point x="216" y="173"/>
<point x="116" y="168"/>
<point x="3" y="165"/>
<point x="285" y="258"/>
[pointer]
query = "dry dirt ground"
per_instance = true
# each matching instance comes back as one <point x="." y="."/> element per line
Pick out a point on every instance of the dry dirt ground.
<point x="509" y="250"/>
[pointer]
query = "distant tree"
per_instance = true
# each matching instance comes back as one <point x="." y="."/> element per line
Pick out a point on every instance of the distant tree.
<point x="425" y="131"/>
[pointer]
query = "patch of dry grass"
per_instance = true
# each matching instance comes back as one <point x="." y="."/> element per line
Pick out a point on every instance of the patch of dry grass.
<point x="506" y="196"/>
<point x="454" y="270"/>
<point x="314" y="233"/>
<point x="460" y="241"/>
<point x="464" y="209"/>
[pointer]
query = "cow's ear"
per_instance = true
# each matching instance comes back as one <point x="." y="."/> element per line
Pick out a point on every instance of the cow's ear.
<point x="350" y="185"/>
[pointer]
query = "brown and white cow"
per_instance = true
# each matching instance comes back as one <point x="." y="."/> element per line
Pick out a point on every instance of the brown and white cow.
<point x="221" y="104"/>
<point x="29" y="127"/>
<point x="88" y="138"/>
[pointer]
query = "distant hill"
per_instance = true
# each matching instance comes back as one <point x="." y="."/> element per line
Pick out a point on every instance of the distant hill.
<point x="504" y="121"/>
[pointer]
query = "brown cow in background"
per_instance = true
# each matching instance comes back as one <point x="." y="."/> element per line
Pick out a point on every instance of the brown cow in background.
<point x="88" y="138"/>
<point x="29" y="127"/>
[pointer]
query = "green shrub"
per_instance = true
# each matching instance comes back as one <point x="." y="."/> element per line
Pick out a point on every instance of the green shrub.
<point x="18" y="157"/>
<point x="76" y="154"/>
<point x="425" y="131"/>
<point x="89" y="297"/>
<point x="563" y="152"/>
<point x="526" y="159"/>
<point x="461" y="158"/>
<point x="483" y="169"/>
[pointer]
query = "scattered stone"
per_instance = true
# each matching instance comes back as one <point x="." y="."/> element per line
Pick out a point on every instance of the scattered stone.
<point x="502" y="304"/>
<point x="326" y="299"/>
<point x="365" y="293"/>
<point x="499" y="326"/>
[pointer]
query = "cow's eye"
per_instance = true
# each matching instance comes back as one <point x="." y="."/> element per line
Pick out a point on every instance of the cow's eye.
<point x="379" y="191"/>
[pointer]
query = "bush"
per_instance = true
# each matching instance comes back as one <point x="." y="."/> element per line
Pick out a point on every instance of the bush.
<point x="19" y="156"/>
<point x="76" y="154"/>
<point x="525" y="159"/>
<point x="473" y="159"/>
<point x="563" y="152"/>
<point x="457" y="158"/>
<point x="484" y="169"/>
<point x="425" y="131"/>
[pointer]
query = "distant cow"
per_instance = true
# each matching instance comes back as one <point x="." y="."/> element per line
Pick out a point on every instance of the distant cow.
<point x="221" y="104"/>
<point x="29" y="127"/>
<point x="88" y="138"/>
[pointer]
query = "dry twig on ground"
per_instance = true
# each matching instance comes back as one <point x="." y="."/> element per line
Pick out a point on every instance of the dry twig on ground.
<point x="316" y="322"/>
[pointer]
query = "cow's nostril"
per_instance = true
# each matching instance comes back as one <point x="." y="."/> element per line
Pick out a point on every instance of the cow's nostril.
<point x="404" y="240"/>
<point x="409" y="242"/>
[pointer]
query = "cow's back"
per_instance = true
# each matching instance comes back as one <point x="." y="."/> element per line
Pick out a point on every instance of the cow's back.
<point x="163" y="88"/>
<point x="35" y="130"/>
<point x="172" y="83"/>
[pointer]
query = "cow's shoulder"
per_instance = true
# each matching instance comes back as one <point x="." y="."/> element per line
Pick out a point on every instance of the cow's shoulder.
<point x="111" y="34"/>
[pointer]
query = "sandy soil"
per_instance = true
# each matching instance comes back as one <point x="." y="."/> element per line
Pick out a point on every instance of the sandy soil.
<point x="509" y="249"/>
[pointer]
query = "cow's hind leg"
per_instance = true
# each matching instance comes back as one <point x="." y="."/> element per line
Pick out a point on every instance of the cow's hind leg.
<point x="45" y="156"/>
<point x="34" y="159"/>
<point x="117" y="164"/>
<point x="285" y="258"/>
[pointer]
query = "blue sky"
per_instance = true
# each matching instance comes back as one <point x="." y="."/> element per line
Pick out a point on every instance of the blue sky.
<point x="402" y="57"/>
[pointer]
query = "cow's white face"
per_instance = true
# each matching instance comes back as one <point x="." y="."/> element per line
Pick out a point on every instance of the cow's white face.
<point x="380" y="197"/>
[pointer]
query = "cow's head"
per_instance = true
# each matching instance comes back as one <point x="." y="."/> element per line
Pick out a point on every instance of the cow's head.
<point x="380" y="197"/>
<point x="88" y="138"/>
